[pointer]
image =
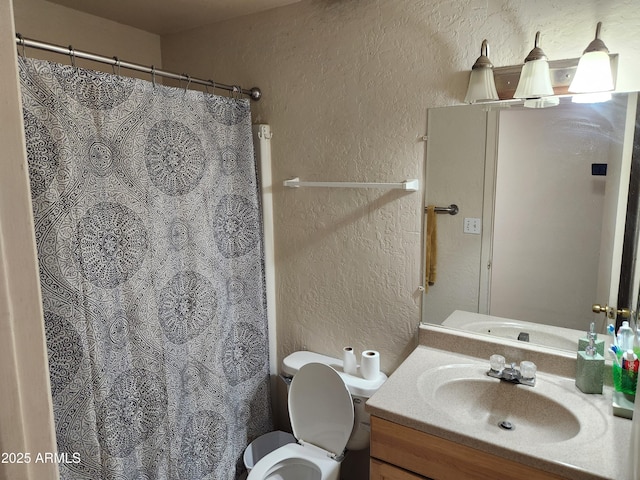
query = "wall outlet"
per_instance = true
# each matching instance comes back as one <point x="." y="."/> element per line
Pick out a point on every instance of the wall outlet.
<point x="473" y="225"/>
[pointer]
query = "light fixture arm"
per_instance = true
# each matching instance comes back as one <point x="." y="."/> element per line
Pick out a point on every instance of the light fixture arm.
<point x="483" y="60"/>
<point x="536" y="53"/>
<point x="597" y="45"/>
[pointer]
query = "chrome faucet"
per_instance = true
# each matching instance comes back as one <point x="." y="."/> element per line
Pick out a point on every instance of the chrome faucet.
<point x="525" y="375"/>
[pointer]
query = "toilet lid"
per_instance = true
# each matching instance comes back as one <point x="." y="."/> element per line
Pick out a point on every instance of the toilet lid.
<point x="321" y="408"/>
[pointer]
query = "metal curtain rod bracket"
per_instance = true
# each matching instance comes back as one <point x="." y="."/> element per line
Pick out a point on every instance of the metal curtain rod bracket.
<point x="408" y="185"/>
<point x="451" y="209"/>
<point x="253" y="93"/>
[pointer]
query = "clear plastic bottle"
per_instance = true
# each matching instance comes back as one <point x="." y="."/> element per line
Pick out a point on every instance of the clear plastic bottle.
<point x="625" y="336"/>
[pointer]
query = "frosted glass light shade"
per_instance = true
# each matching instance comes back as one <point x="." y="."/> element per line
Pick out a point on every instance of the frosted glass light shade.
<point x="535" y="80"/>
<point x="482" y="86"/>
<point x="593" y="74"/>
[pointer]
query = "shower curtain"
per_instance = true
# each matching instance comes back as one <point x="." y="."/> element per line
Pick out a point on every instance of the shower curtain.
<point x="149" y="236"/>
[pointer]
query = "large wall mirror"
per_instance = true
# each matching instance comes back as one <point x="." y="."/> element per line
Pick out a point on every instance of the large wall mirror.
<point x="554" y="193"/>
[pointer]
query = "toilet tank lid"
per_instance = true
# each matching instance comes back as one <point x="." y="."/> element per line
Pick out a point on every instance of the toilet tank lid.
<point x="356" y="384"/>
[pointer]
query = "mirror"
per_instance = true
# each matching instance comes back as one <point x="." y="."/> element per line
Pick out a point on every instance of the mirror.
<point x="551" y="191"/>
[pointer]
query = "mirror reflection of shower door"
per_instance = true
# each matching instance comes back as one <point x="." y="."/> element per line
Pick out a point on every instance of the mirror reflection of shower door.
<point x="568" y="218"/>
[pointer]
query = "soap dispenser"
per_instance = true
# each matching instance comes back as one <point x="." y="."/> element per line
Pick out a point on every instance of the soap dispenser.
<point x="583" y="342"/>
<point x="590" y="368"/>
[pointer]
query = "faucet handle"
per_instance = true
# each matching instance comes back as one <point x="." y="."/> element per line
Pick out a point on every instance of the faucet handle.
<point x="497" y="363"/>
<point x="528" y="370"/>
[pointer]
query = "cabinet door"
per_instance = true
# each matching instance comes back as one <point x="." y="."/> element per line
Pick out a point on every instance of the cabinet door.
<point x="438" y="458"/>
<point x="384" y="471"/>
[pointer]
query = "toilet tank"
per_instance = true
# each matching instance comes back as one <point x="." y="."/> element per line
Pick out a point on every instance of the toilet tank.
<point x="361" y="389"/>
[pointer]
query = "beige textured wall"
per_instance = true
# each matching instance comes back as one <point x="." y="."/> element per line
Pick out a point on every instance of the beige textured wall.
<point x="347" y="85"/>
<point x="60" y="25"/>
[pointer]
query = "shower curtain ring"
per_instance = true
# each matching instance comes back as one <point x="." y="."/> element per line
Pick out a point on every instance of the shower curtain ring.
<point x="213" y="87"/>
<point x="72" y="54"/>
<point x="116" y="64"/>
<point x="188" y="82"/>
<point x="153" y="75"/>
<point x="21" y="38"/>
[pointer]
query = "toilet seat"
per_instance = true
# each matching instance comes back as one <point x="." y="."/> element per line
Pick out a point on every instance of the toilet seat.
<point x="321" y="413"/>
<point x="296" y="462"/>
<point x="321" y="408"/>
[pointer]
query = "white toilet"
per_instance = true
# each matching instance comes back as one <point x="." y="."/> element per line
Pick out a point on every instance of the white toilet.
<point x="326" y="408"/>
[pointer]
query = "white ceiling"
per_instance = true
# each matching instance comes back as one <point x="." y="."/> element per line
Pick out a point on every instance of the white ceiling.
<point x="170" y="16"/>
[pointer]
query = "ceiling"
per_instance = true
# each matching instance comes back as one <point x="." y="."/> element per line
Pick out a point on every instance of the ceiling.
<point x="171" y="16"/>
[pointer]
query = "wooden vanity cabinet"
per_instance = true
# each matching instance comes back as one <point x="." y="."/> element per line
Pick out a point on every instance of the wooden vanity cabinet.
<point x="402" y="453"/>
<point x="385" y="471"/>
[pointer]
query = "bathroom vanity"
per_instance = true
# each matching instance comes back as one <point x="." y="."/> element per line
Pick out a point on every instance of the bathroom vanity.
<point x="399" y="453"/>
<point x="452" y="421"/>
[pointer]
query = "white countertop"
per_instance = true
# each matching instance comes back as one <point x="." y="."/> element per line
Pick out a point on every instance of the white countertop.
<point x="597" y="452"/>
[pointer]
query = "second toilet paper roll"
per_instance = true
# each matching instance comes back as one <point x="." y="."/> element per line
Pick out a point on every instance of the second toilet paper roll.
<point x="370" y="364"/>
<point x="349" y="364"/>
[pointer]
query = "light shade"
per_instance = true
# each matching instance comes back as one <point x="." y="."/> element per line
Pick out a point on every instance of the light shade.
<point x="482" y="86"/>
<point x="594" y="68"/>
<point x="535" y="81"/>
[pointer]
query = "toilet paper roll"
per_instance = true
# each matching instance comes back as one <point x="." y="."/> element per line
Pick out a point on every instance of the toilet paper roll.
<point x="349" y="364"/>
<point x="370" y="364"/>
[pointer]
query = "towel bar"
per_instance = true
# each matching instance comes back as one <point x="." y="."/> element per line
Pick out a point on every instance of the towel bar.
<point x="409" y="185"/>
<point x="451" y="209"/>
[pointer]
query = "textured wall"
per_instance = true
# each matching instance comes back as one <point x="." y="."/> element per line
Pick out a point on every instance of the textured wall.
<point x="346" y="90"/>
<point x="347" y="85"/>
<point x="49" y="22"/>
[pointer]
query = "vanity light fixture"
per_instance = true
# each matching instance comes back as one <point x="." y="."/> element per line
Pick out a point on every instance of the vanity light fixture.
<point x="535" y="81"/>
<point x="594" y="73"/>
<point x="482" y="86"/>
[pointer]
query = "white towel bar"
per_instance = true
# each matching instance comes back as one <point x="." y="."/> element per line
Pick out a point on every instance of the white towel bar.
<point x="409" y="185"/>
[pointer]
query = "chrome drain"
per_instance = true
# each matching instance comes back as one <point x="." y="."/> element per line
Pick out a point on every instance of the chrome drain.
<point x="506" y="425"/>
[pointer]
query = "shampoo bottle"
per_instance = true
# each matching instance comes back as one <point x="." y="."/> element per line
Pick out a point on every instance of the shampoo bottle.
<point x="590" y="368"/>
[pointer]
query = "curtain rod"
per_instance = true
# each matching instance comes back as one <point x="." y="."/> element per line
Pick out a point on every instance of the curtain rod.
<point x="253" y="93"/>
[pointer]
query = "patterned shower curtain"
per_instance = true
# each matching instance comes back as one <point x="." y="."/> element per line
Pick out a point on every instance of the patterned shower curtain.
<point x="148" y="228"/>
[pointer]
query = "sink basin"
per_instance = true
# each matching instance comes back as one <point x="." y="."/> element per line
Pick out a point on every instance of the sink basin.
<point x="538" y="334"/>
<point x="556" y="427"/>
<point x="469" y="399"/>
<point x="547" y="335"/>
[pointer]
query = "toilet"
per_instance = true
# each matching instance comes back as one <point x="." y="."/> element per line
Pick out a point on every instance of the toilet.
<point x="326" y="409"/>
